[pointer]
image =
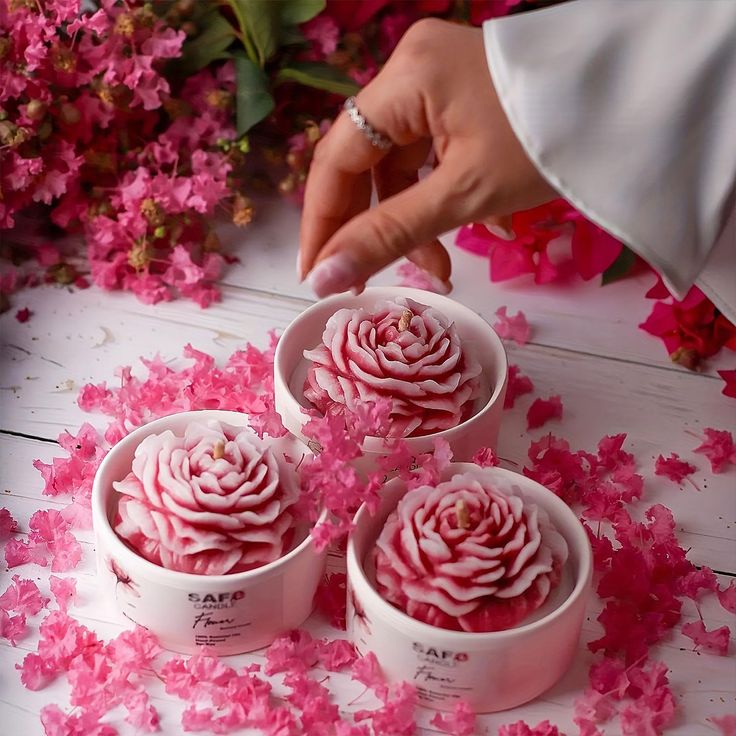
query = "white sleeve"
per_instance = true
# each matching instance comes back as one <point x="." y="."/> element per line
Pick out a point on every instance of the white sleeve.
<point x="629" y="110"/>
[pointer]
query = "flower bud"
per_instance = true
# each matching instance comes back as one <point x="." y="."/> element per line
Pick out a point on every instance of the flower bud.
<point x="70" y="114"/>
<point x="185" y="7"/>
<point x="242" y="210"/>
<point x="211" y="243"/>
<point x="125" y="25"/>
<point x="286" y="186"/>
<point x="139" y="256"/>
<point x="153" y="213"/>
<point x="294" y="160"/>
<point x="312" y="132"/>
<point x="36" y="109"/>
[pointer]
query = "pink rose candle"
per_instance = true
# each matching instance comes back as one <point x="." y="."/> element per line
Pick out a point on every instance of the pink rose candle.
<point x="209" y="502"/>
<point x="465" y="556"/>
<point x="400" y="350"/>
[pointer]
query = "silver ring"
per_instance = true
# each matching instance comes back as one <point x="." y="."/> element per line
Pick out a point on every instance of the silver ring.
<point x="377" y="139"/>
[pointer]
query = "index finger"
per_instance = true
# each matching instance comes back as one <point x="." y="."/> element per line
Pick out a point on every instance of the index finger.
<point x="338" y="186"/>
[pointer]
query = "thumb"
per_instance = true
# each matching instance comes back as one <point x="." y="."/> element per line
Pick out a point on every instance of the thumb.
<point x="377" y="237"/>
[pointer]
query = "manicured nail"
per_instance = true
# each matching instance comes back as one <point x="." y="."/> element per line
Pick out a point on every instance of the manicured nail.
<point x="357" y="290"/>
<point x="439" y="286"/>
<point x="503" y="232"/>
<point x="335" y="274"/>
<point x="299" y="275"/>
<point x="444" y="287"/>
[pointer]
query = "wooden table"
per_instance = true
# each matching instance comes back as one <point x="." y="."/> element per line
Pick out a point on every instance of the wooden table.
<point x="585" y="346"/>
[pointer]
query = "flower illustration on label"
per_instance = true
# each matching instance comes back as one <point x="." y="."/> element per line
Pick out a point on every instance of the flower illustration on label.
<point x="122" y="578"/>
<point x="359" y="614"/>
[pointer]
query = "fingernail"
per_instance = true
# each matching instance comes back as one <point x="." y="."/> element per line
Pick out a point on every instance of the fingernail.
<point x="299" y="275"/>
<point x="443" y="287"/>
<point x="335" y="274"/>
<point x="437" y="285"/>
<point x="501" y="231"/>
<point x="357" y="290"/>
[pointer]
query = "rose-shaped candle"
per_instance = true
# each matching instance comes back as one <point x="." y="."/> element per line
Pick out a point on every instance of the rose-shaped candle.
<point x="400" y="350"/>
<point x="464" y="556"/>
<point x="211" y="502"/>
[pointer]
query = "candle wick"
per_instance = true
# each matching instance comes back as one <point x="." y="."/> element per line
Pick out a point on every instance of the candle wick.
<point x="462" y="514"/>
<point x="218" y="451"/>
<point x="405" y="320"/>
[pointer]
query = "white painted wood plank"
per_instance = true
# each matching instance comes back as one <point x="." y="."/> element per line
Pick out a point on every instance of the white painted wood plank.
<point x="663" y="411"/>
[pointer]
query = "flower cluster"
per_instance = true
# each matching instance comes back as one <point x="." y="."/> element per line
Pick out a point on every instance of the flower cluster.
<point x="554" y="242"/>
<point x="90" y="126"/>
<point x="692" y="329"/>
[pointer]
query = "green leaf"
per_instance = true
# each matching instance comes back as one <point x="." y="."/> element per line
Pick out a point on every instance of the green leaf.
<point x="620" y="267"/>
<point x="208" y="45"/>
<point x="253" y="100"/>
<point x="293" y="12"/>
<point x="260" y="25"/>
<point x="292" y="36"/>
<point x="319" y="76"/>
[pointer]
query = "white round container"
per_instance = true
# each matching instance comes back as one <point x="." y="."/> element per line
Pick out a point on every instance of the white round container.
<point x="305" y="332"/>
<point x="230" y="614"/>
<point x="492" y="671"/>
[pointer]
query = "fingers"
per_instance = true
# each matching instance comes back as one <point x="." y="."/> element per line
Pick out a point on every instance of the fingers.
<point x="377" y="237"/>
<point x="338" y="187"/>
<point x="435" y="260"/>
<point x="396" y="172"/>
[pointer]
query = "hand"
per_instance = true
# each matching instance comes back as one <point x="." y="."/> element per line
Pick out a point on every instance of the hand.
<point x="434" y="92"/>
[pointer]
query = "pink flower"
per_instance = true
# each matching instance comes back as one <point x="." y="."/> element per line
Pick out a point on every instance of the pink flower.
<point x="727" y="597"/>
<point x="725" y="724"/>
<point x="465" y="556"/>
<point x="64" y="591"/>
<point x="460" y="722"/>
<point x="323" y="31"/>
<point x="486" y="458"/>
<point x="518" y="385"/>
<point x="691" y="329"/>
<point x="673" y="467"/>
<point x="514" y="327"/>
<point x="23" y="596"/>
<point x="401" y="351"/>
<point x="730" y="378"/>
<point x="542" y="410"/>
<point x="718" y="446"/>
<point x="8" y="525"/>
<point x="12" y="628"/>
<point x="545" y="728"/>
<point x="715" y="641"/>
<point x="212" y="502"/>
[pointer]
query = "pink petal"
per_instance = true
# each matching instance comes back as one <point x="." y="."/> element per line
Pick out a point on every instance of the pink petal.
<point x="715" y="641"/>
<point x="543" y="410"/>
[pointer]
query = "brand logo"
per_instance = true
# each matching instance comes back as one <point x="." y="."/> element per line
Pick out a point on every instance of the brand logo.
<point x="444" y="657"/>
<point x="215" y="600"/>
